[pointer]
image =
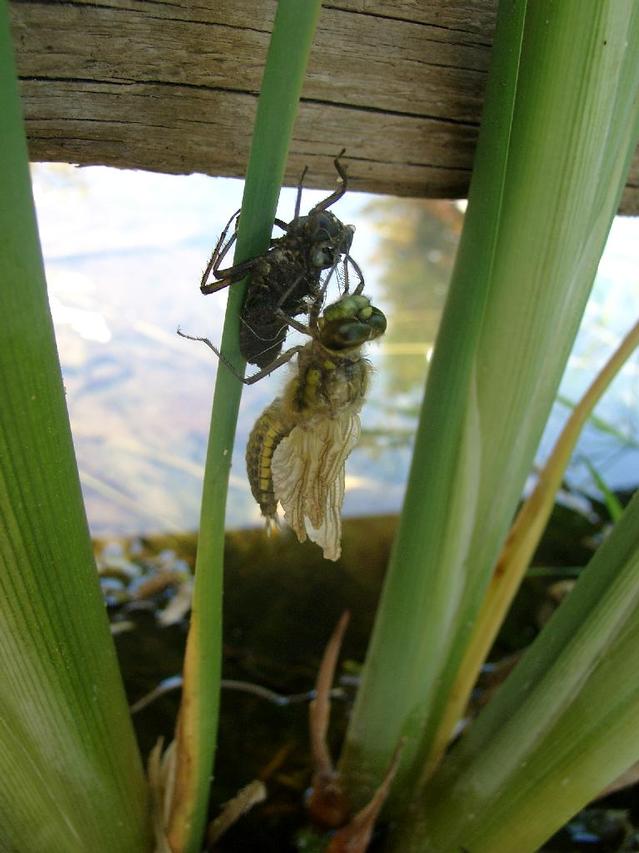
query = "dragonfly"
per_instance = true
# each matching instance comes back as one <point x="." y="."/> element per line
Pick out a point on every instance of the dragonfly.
<point x="297" y="450"/>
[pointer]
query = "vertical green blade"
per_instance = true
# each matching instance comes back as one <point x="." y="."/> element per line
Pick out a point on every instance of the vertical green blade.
<point x="559" y="128"/>
<point x="70" y="773"/>
<point x="291" y="41"/>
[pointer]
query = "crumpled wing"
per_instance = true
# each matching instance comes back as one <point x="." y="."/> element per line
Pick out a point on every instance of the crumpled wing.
<point x="308" y="479"/>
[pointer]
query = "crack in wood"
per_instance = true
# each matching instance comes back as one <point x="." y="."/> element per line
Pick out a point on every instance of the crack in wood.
<point x="400" y="84"/>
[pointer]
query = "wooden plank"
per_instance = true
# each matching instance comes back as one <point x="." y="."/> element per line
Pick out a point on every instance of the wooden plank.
<point x="172" y="87"/>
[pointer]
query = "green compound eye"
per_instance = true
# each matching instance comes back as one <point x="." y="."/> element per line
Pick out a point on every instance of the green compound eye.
<point x="350" y="323"/>
<point x="352" y="333"/>
<point x="377" y="322"/>
<point x="348" y="307"/>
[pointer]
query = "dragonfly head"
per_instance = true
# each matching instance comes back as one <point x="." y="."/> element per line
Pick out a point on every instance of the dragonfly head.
<point x="329" y="239"/>
<point x="350" y="322"/>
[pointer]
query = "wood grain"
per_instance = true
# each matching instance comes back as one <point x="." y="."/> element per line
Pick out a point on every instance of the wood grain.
<point x="172" y="87"/>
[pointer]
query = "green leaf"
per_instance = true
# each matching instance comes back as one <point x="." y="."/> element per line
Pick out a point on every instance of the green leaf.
<point x="558" y="131"/>
<point x="70" y="773"/>
<point x="290" y="46"/>
<point x="612" y="502"/>
<point x="562" y="727"/>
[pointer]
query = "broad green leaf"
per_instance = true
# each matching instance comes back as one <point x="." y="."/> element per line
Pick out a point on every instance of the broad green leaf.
<point x="521" y="543"/>
<point x="70" y="774"/>
<point x="558" y="131"/>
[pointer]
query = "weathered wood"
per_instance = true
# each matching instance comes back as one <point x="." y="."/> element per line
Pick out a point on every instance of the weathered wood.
<point x="172" y="86"/>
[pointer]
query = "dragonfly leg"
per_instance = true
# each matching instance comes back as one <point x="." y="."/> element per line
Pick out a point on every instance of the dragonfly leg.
<point x="298" y="200"/>
<point x="360" y="275"/>
<point x="221" y="248"/>
<point x="342" y="184"/>
<point x="247" y="380"/>
<point x="231" y="274"/>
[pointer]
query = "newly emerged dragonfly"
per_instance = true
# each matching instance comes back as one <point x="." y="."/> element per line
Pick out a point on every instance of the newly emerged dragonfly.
<point x="290" y="276"/>
<point x="297" y="449"/>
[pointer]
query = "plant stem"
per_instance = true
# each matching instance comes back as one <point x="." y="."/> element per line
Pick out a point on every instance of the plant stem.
<point x="197" y="724"/>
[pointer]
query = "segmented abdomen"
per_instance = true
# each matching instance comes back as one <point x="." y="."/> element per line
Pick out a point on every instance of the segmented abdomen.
<point x="281" y="279"/>
<point x="269" y="429"/>
<point x="262" y="333"/>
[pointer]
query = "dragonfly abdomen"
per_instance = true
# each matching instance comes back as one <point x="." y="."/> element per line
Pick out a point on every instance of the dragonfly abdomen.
<point x="269" y="429"/>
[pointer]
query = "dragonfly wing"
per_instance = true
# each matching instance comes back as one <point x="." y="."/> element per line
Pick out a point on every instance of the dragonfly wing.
<point x="308" y="478"/>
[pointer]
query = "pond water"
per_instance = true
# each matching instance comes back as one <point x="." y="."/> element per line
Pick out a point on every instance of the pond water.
<point x="124" y="252"/>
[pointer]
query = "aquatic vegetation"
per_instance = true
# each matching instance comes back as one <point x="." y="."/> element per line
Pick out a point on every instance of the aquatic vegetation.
<point x="559" y="130"/>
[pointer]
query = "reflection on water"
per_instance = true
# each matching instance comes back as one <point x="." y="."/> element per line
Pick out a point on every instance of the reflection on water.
<point x="414" y="256"/>
<point x="124" y="254"/>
